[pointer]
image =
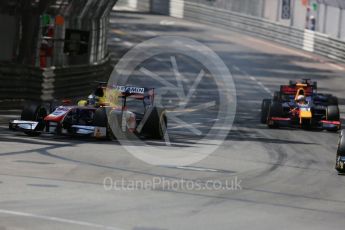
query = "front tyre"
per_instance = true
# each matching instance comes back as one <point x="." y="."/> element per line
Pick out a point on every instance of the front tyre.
<point x="101" y="120"/>
<point x="332" y="114"/>
<point x="34" y="112"/>
<point x="265" y="106"/>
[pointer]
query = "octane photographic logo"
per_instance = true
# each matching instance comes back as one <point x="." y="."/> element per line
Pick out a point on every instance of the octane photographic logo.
<point x="193" y="86"/>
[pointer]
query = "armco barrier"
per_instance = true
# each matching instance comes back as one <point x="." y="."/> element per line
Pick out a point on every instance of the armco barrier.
<point x="20" y="84"/>
<point x="76" y="80"/>
<point x="302" y="39"/>
<point x="17" y="83"/>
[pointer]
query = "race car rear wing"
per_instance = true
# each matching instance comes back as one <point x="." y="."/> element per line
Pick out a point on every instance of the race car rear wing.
<point x="136" y="92"/>
<point x="293" y="89"/>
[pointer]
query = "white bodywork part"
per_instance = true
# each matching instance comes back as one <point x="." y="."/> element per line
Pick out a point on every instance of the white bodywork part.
<point x="29" y="125"/>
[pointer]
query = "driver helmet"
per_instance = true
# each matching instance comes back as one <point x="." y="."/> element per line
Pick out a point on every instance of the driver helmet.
<point x="92" y="99"/>
<point x="301" y="99"/>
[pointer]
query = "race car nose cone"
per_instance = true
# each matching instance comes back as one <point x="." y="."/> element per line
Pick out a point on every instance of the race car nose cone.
<point x="305" y="114"/>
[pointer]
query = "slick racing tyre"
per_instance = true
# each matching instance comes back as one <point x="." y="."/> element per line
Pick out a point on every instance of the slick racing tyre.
<point x="34" y="112"/>
<point x="277" y="96"/>
<point x="265" y="106"/>
<point x="275" y="110"/>
<point x="332" y="113"/>
<point x="156" y="123"/>
<point x="100" y="118"/>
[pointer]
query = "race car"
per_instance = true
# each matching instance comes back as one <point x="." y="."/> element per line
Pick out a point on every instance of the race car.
<point x="298" y="104"/>
<point x="340" y="159"/>
<point x="101" y="118"/>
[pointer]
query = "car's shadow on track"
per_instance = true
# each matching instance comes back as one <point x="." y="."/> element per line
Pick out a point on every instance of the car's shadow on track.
<point x="67" y="140"/>
<point x="252" y="136"/>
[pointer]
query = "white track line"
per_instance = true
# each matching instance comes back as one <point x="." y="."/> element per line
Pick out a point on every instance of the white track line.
<point x="56" y="219"/>
<point x="167" y="23"/>
<point x="253" y="79"/>
<point x="197" y="169"/>
<point x="128" y="44"/>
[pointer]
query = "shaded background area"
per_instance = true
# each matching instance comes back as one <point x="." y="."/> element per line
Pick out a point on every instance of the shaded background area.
<point x="288" y="176"/>
<point x="52" y="49"/>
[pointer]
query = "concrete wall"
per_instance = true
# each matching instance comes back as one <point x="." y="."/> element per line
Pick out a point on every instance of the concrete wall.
<point x="144" y="5"/>
<point x="342" y="25"/>
<point x="299" y="14"/>
<point x="332" y="21"/>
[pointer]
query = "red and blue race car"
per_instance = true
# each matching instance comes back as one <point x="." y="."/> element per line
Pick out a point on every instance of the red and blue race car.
<point x="298" y="104"/>
<point x="105" y="114"/>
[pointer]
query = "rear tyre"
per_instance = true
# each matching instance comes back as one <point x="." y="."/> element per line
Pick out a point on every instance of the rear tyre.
<point x="332" y="100"/>
<point x="277" y="96"/>
<point x="314" y="85"/>
<point x="275" y="110"/>
<point x="332" y="113"/>
<point x="34" y="112"/>
<point x="156" y="123"/>
<point x="292" y="82"/>
<point x="265" y="106"/>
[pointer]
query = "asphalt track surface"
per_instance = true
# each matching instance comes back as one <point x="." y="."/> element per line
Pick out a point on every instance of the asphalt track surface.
<point x="287" y="176"/>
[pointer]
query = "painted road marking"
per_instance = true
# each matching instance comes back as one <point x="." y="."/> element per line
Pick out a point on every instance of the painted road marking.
<point x="200" y="169"/>
<point x="116" y="39"/>
<point x="56" y="219"/>
<point x="166" y="23"/>
<point x="128" y="44"/>
<point x="197" y="169"/>
<point x="253" y="79"/>
<point x="236" y="68"/>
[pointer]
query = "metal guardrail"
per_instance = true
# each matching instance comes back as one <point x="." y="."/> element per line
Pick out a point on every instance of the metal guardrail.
<point x="244" y="24"/>
<point x="318" y="43"/>
<point x="20" y="83"/>
<point x="77" y="81"/>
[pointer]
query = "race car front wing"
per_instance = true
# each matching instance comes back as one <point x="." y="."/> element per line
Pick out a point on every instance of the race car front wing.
<point x="31" y="126"/>
<point x="323" y="124"/>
